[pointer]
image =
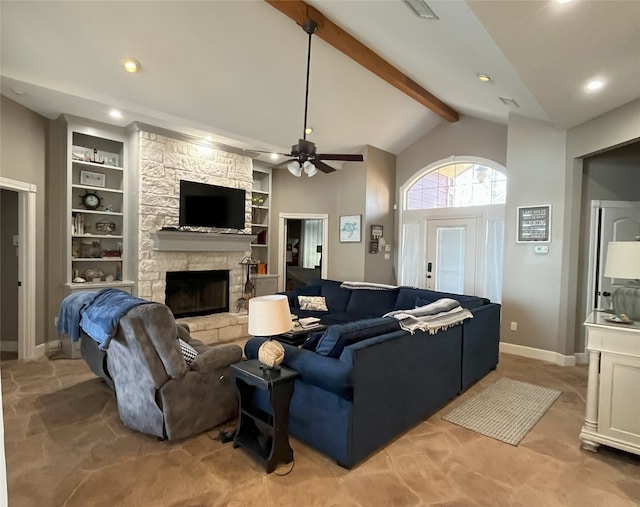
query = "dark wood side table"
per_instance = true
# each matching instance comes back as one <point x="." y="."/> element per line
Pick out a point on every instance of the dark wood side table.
<point x="298" y="335"/>
<point x="264" y="435"/>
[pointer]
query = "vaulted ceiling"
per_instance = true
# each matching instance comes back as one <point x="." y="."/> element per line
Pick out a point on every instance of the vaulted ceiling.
<point x="235" y="70"/>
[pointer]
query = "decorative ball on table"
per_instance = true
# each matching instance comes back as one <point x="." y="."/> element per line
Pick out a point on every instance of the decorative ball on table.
<point x="269" y="316"/>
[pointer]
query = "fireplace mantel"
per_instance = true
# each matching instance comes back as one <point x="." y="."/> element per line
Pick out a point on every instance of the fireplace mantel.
<point x="186" y="241"/>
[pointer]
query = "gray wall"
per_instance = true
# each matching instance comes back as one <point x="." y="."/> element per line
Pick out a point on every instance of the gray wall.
<point x="23" y="134"/>
<point x="8" y="269"/>
<point x="610" y="176"/>
<point x="343" y="192"/>
<point x="531" y="290"/>
<point x="380" y="198"/>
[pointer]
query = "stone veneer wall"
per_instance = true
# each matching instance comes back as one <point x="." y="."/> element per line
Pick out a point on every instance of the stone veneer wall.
<point x="162" y="163"/>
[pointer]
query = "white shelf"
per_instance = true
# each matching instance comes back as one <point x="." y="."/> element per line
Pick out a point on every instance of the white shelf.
<point x="253" y="245"/>
<point x="96" y="259"/>
<point x="101" y="166"/>
<point x="94" y="212"/>
<point x="100" y="189"/>
<point x="260" y="207"/>
<point x="97" y="236"/>
<point x="263" y="192"/>
<point x="264" y="226"/>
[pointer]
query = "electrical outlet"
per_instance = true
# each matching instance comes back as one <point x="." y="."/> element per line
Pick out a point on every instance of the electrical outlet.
<point x="387" y="257"/>
<point x="55" y="321"/>
<point x="514" y="326"/>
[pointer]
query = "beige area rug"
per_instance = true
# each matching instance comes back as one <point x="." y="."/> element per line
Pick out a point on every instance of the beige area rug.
<point x="506" y="410"/>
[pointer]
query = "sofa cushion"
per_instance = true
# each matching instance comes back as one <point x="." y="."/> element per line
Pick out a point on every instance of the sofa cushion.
<point x="372" y="302"/>
<point x="311" y="341"/>
<point x="339" y="336"/>
<point x="407" y="298"/>
<point x="337" y="298"/>
<point x="314" y="303"/>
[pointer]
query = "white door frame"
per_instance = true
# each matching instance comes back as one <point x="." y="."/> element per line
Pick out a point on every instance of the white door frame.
<point x="26" y="265"/>
<point x="282" y="251"/>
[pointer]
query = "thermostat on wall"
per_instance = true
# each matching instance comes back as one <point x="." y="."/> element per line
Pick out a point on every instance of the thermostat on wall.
<point x="541" y="249"/>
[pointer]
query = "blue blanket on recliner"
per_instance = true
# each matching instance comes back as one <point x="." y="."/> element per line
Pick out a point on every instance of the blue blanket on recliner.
<point x="100" y="318"/>
<point x="97" y="313"/>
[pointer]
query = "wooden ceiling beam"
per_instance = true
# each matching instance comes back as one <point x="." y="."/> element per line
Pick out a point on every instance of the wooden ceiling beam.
<point x="328" y="31"/>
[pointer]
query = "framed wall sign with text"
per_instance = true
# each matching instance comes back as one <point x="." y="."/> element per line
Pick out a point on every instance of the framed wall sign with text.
<point x="534" y="224"/>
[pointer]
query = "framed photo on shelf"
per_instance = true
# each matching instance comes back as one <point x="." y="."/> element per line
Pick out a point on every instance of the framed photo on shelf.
<point x="92" y="179"/>
<point x="534" y="224"/>
<point x="350" y="228"/>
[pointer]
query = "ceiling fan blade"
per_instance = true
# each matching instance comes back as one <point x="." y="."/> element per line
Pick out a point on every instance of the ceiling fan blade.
<point x="325" y="168"/>
<point x="270" y="152"/>
<point x="336" y="156"/>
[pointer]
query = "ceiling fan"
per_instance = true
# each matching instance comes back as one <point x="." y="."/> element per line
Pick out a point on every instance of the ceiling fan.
<point x="305" y="157"/>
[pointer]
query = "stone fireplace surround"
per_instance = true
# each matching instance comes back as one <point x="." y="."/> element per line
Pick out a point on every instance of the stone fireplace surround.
<point x="162" y="163"/>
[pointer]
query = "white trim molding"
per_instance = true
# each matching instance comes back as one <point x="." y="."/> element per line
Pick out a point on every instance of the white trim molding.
<point x="26" y="265"/>
<point x="539" y="354"/>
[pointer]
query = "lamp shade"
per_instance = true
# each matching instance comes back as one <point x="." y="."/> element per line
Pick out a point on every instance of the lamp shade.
<point x="295" y="168"/>
<point x="269" y="315"/>
<point x="309" y="169"/>
<point x="623" y="260"/>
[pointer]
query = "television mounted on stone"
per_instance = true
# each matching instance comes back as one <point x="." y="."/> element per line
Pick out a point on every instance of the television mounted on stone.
<point x="204" y="205"/>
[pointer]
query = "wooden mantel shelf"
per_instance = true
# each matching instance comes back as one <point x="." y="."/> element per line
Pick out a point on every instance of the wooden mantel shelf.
<point x="185" y="241"/>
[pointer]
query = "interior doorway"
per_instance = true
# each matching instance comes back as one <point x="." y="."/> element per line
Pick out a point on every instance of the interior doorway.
<point x="26" y="280"/>
<point x="302" y="252"/>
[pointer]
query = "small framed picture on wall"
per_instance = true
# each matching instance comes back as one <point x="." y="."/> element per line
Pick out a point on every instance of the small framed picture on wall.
<point x="350" y="228"/>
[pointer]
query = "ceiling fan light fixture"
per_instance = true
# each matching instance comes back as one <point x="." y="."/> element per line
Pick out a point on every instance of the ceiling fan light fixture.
<point x="309" y="169"/>
<point x="295" y="168"/>
<point x="421" y="9"/>
<point x="308" y="130"/>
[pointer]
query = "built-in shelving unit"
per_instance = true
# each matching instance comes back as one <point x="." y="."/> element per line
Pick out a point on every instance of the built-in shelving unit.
<point x="260" y="215"/>
<point x="93" y="166"/>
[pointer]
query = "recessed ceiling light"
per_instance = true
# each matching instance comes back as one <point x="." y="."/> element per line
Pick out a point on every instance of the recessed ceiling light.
<point x="485" y="78"/>
<point x="563" y="1"/>
<point x="131" y="65"/>
<point x="595" y="84"/>
<point x="274" y="156"/>
<point x="114" y="113"/>
<point x="308" y="130"/>
<point x="421" y="9"/>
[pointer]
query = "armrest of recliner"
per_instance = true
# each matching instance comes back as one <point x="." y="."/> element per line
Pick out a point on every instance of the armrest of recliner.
<point x="218" y="356"/>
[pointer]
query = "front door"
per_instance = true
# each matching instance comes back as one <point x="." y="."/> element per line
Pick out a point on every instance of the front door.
<point x="451" y="255"/>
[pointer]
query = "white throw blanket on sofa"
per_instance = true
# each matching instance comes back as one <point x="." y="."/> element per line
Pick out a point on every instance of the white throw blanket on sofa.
<point x="441" y="314"/>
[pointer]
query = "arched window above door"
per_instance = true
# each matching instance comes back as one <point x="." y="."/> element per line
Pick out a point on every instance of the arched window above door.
<point x="457" y="185"/>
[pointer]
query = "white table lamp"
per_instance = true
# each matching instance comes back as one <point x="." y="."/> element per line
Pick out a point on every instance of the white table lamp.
<point x="623" y="261"/>
<point x="269" y="316"/>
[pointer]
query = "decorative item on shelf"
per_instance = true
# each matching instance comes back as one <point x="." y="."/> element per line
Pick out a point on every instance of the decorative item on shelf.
<point x="75" y="248"/>
<point x="90" y="200"/>
<point x="262" y="268"/>
<point x="92" y="274"/>
<point x="257" y="200"/>
<point x="623" y="262"/>
<point x="92" y="179"/>
<point x="111" y="253"/>
<point x="262" y="238"/>
<point x="105" y="226"/>
<point x="90" y="248"/>
<point x="270" y="316"/>
<point x="118" y="274"/>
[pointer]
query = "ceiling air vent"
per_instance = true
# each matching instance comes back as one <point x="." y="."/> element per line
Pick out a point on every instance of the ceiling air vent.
<point x="421" y="9"/>
<point x="509" y="102"/>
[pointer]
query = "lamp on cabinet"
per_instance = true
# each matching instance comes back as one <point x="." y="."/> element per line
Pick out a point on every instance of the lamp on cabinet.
<point x="623" y="261"/>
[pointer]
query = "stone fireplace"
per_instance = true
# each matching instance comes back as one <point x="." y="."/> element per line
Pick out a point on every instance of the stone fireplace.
<point x="193" y="293"/>
<point x="162" y="162"/>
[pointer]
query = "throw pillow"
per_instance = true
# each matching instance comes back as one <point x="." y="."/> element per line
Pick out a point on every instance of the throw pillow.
<point x="312" y="340"/>
<point x="188" y="352"/>
<point x="315" y="303"/>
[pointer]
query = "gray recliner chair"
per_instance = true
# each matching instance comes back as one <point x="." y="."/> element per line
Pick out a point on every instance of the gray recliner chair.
<point x="157" y="393"/>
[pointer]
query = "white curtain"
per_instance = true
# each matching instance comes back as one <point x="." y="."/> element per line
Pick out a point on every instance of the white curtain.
<point x="495" y="249"/>
<point x="311" y="239"/>
<point x="409" y="271"/>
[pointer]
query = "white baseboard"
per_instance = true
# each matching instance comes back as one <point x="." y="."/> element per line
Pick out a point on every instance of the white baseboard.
<point x="9" y="345"/>
<point x="539" y="354"/>
<point x="582" y="358"/>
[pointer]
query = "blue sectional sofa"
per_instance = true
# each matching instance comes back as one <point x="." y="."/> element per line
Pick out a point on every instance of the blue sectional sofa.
<point x="366" y="381"/>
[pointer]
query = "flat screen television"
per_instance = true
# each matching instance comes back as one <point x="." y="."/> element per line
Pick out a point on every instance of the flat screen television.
<point x="203" y="205"/>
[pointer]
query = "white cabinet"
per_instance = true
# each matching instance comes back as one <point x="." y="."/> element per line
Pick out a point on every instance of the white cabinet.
<point x="261" y="216"/>
<point x="613" y="391"/>
<point x="92" y="165"/>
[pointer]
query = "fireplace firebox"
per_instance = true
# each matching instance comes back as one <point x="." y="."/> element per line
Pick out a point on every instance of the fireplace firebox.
<point x="193" y="293"/>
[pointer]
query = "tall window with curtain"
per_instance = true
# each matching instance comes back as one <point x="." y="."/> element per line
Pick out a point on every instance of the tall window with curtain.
<point x="311" y="240"/>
